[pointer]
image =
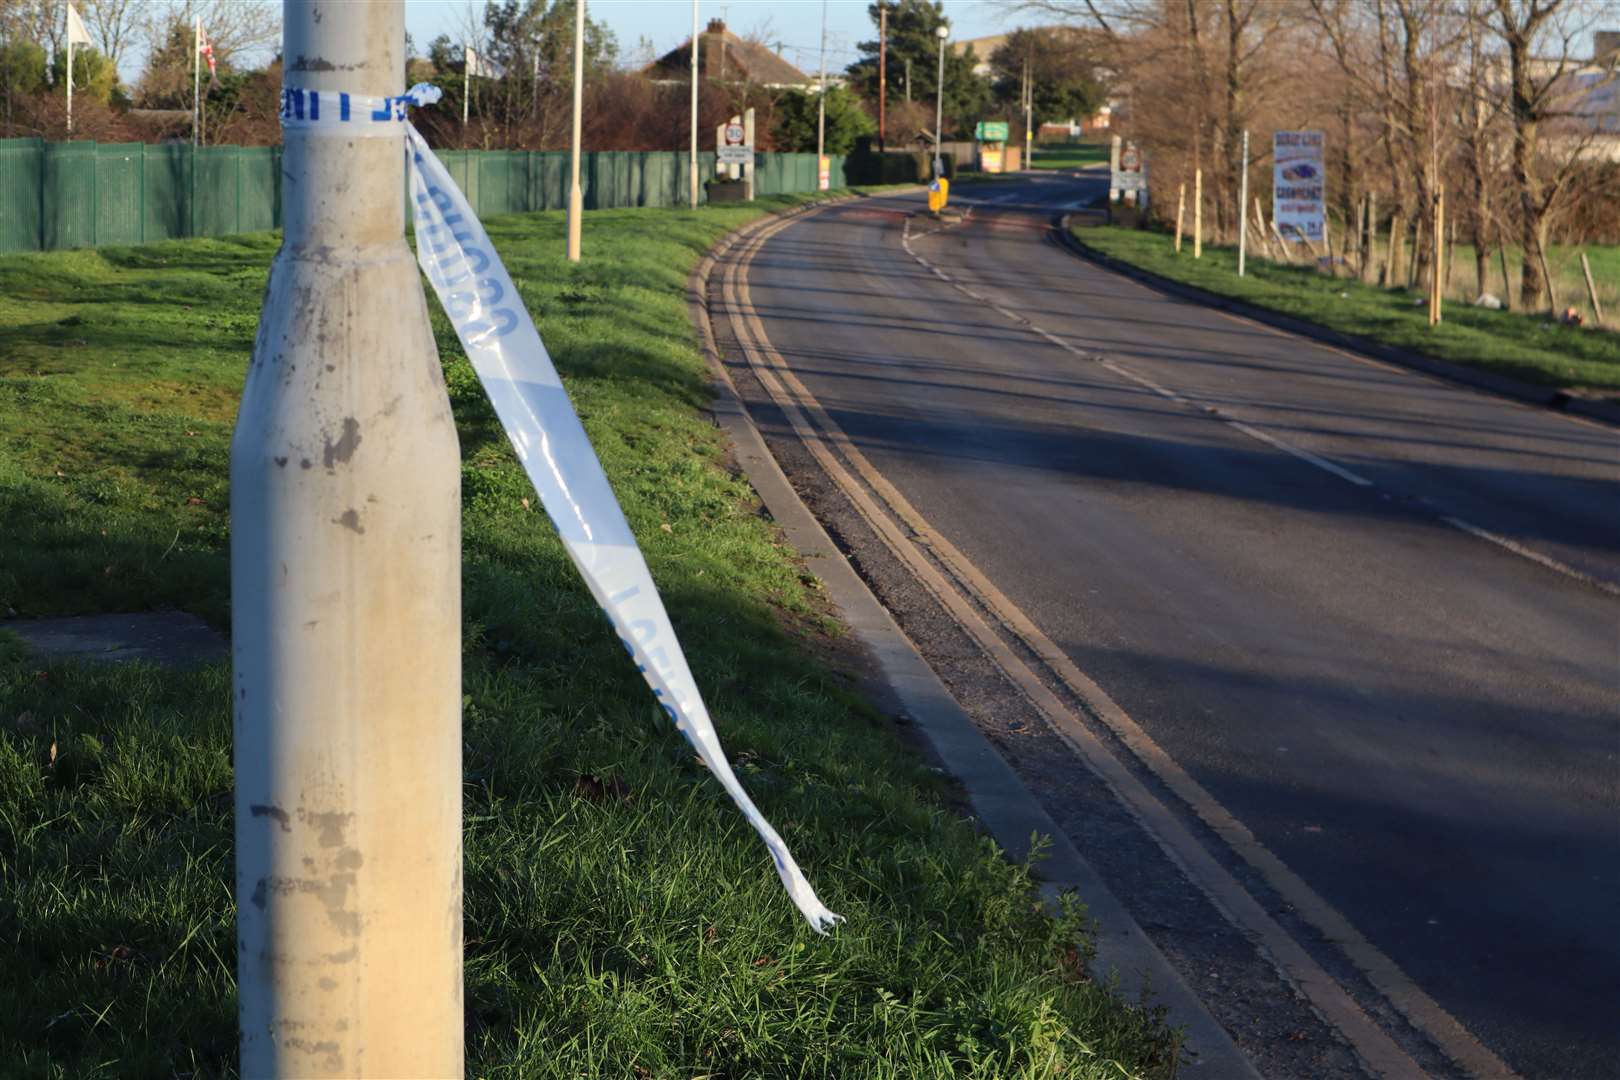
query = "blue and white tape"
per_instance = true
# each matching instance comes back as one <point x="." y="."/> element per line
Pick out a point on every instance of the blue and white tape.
<point x="332" y="112"/>
<point x="511" y="361"/>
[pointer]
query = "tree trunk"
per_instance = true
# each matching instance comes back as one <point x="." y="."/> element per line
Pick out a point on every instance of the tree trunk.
<point x="1530" y="210"/>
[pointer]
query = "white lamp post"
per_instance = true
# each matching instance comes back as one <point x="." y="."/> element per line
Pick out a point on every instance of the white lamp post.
<point x="346" y="610"/>
<point x="576" y="202"/>
<point x="942" y="32"/>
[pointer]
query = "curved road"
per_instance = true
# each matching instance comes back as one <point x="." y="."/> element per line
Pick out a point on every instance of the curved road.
<point x="1256" y="546"/>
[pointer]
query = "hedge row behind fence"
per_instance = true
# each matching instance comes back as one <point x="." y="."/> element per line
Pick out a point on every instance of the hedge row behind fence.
<point x="87" y="194"/>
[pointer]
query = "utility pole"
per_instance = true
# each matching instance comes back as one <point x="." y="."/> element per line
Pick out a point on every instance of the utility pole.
<point x="694" y="102"/>
<point x="942" y="32"/>
<point x="908" y="81"/>
<point x="883" y="74"/>
<point x="1243" y="201"/>
<point x="70" y="82"/>
<point x="1029" y="115"/>
<point x="821" y="107"/>
<point x="346" y="606"/>
<point x="576" y="200"/>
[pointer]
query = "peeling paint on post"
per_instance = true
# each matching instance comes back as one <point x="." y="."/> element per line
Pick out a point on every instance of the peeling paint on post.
<point x="346" y="612"/>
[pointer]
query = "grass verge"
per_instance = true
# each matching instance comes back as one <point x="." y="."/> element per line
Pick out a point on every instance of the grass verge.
<point x="621" y="919"/>
<point x="1070" y="155"/>
<point x="1535" y="350"/>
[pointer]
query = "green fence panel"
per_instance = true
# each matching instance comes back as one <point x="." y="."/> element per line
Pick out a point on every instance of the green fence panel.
<point x="70" y="195"/>
<point x="261" y="188"/>
<point x="593" y="177"/>
<point x="655" y="181"/>
<point x="707" y="164"/>
<point x="217" y="191"/>
<point x="552" y="180"/>
<point x="494" y="168"/>
<point x="22" y="186"/>
<point x="167" y="180"/>
<point x="76" y="194"/>
<point x="768" y="174"/>
<point x="119" y="192"/>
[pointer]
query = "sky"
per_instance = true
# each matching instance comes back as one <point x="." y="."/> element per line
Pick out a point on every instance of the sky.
<point x="794" y="23"/>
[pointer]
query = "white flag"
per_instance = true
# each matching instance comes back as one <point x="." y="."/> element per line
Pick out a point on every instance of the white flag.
<point x="76" y="33"/>
<point x="481" y="66"/>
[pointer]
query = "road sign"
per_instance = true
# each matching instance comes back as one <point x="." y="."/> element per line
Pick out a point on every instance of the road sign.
<point x="734" y="134"/>
<point x="1129" y="171"/>
<point x="991" y="131"/>
<point x="734" y="155"/>
<point x="938" y="193"/>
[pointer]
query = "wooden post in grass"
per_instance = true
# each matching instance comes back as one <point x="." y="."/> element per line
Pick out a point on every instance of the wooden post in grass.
<point x="1260" y="231"/>
<point x="1282" y="243"/>
<point x="1416" y="258"/>
<point x="1361" y="223"/>
<point x="1243" y="197"/>
<point x="1370" y="240"/>
<point x="1451" y="250"/>
<point x="1507" y="286"/>
<point x="1181" y="209"/>
<point x="1198" y="213"/>
<point x="345" y="481"/>
<point x="1591" y="290"/>
<point x="1436" y="258"/>
<point x="1392" y="258"/>
<point x="1546" y="274"/>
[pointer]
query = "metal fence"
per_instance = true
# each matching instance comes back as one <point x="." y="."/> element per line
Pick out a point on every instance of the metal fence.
<point x="87" y="194"/>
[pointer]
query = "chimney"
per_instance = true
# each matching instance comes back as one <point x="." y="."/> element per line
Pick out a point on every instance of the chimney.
<point x="716" y="26"/>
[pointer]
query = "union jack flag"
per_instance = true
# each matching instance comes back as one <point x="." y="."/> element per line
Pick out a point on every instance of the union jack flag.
<point x="205" y="48"/>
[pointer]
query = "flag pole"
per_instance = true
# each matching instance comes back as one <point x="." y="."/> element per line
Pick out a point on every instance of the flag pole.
<point x="196" y="79"/>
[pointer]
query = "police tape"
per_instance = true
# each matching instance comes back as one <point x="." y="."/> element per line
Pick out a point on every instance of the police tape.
<point x="505" y="349"/>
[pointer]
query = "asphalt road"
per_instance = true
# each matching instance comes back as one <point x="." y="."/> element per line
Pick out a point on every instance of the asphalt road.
<point x="1420" y="722"/>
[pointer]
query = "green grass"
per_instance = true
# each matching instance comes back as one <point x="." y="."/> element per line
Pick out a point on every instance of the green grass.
<point x="621" y="918"/>
<point x="1532" y="349"/>
<point x="1070" y="155"/>
<point x="1564" y="260"/>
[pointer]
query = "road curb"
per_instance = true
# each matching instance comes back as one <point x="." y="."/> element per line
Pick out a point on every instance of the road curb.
<point x="1526" y="393"/>
<point x="999" y="799"/>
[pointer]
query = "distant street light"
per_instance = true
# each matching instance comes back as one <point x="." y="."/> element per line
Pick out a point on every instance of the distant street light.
<point x="821" y="94"/>
<point x="694" y="102"/>
<point x="942" y="32"/>
<point x="575" y="202"/>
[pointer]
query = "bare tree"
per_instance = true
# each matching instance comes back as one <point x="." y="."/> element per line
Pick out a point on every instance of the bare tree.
<point x="1538" y="37"/>
<point x="115" y="24"/>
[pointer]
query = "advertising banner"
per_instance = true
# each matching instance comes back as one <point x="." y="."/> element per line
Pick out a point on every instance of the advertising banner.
<point x="1297" y="191"/>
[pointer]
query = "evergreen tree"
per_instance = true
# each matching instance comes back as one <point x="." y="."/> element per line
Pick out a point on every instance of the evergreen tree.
<point x="1060" y="60"/>
<point x="912" y="26"/>
<point x="796" y="116"/>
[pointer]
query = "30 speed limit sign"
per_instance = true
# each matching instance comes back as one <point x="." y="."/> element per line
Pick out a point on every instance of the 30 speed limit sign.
<point x="734" y="134"/>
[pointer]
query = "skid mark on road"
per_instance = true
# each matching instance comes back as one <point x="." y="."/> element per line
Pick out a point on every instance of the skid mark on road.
<point x="965" y="592"/>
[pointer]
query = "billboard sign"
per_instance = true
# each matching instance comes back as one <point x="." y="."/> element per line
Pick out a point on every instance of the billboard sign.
<point x="1297" y="185"/>
<point x="991" y="131"/>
